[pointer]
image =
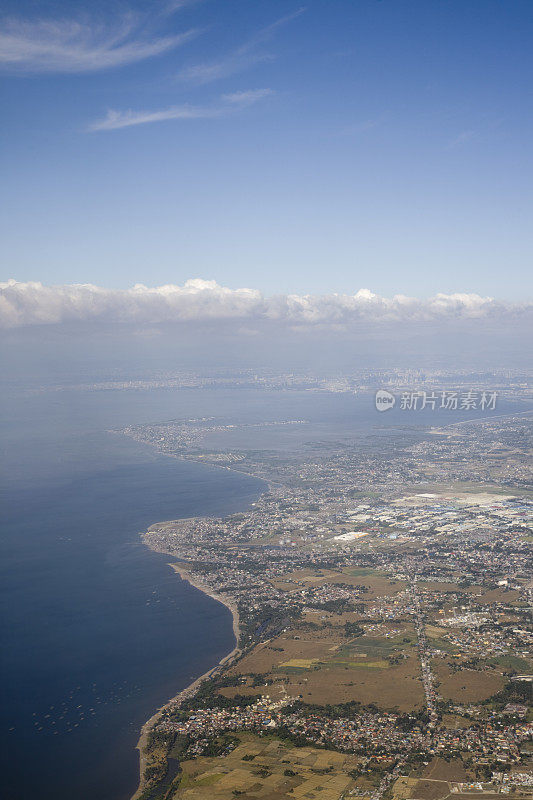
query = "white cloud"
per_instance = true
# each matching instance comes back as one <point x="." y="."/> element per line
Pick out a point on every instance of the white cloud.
<point x="247" y="97"/>
<point x="359" y="127"/>
<point x="173" y="6"/>
<point x="229" y="103"/>
<point x="238" y="60"/>
<point x="199" y="301"/>
<point x="217" y="70"/>
<point x="126" y="119"/>
<point x="462" y="138"/>
<point x="76" y="46"/>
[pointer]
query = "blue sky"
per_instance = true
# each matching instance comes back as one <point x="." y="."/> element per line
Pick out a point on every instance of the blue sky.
<point x="314" y="147"/>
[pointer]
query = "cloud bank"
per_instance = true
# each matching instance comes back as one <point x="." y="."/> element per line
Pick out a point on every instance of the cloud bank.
<point x="206" y="302"/>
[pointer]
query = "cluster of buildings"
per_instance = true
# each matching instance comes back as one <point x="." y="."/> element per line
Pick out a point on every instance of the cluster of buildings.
<point x="330" y="508"/>
<point x="373" y="735"/>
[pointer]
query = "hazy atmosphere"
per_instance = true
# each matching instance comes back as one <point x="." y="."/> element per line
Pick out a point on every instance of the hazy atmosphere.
<point x="266" y="312"/>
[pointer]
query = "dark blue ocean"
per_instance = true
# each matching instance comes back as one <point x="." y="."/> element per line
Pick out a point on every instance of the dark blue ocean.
<point x="97" y="631"/>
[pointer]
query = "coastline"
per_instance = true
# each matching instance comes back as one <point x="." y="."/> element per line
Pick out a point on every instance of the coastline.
<point x="185" y="574"/>
<point x="189" y="690"/>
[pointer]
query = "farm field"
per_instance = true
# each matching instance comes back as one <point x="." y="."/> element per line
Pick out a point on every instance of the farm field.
<point x="325" y="665"/>
<point x="442" y="779"/>
<point x="466" y="685"/>
<point x="266" y="767"/>
<point x="439" y="769"/>
<point x="375" y="583"/>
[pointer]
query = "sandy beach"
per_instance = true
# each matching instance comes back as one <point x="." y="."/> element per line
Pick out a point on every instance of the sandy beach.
<point x="191" y="688"/>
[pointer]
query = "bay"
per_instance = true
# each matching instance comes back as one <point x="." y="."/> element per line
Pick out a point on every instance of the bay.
<point x="97" y="631"/>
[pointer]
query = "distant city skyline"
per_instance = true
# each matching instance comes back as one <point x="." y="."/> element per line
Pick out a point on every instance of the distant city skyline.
<point x="287" y="147"/>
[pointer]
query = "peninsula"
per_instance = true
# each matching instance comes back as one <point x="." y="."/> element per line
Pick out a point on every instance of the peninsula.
<point x="381" y="597"/>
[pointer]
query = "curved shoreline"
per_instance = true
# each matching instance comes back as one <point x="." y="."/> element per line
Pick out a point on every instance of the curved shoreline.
<point x="192" y="687"/>
<point x="184" y="573"/>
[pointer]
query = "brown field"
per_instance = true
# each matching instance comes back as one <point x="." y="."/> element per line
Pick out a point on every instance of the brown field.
<point x="396" y="686"/>
<point x="441" y="587"/>
<point x="434" y="632"/>
<point x="500" y="595"/>
<point x="439" y="769"/>
<point x="401" y="789"/>
<point x="430" y="790"/>
<point x="387" y="687"/>
<point x="306" y="577"/>
<point x="466" y="686"/>
<point x="324" y="666"/>
<point x="486" y="796"/>
<point x="454" y="721"/>
<point x="295" y="644"/>
<point x="284" y="585"/>
<point x="420" y="789"/>
<point x="318" y="773"/>
<point x="434" y="783"/>
<point x="332" y="619"/>
<point x="376" y="583"/>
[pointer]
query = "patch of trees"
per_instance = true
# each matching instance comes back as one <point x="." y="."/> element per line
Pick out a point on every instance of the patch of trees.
<point x="513" y="692"/>
<point x="208" y="697"/>
<point x="406" y="722"/>
<point x="223" y="744"/>
<point x="260" y="679"/>
<point x="352" y="630"/>
<point x="338" y="711"/>
<point x="336" y="606"/>
<point x="296" y="739"/>
<point x="310" y="626"/>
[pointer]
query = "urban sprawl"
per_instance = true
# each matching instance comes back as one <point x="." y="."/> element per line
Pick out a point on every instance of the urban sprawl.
<point x="381" y="590"/>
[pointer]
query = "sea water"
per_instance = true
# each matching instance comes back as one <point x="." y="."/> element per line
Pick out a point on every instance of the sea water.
<point x="97" y="631"/>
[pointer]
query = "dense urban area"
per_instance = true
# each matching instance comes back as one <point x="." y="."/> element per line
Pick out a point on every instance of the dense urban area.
<point x="381" y="594"/>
